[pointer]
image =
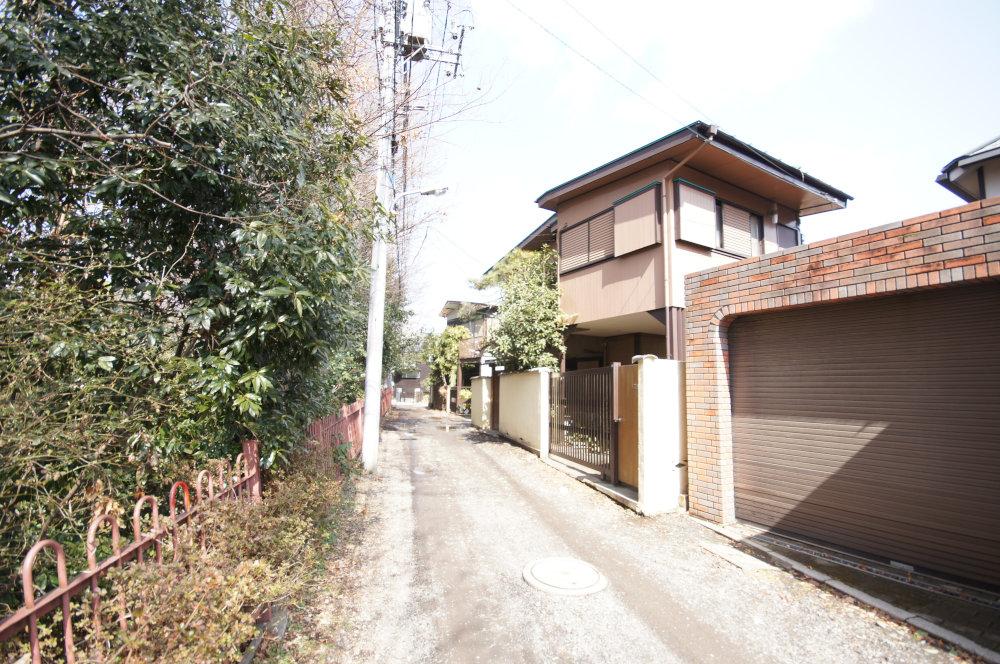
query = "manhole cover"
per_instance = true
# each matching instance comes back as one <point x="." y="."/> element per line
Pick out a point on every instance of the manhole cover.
<point x="564" y="576"/>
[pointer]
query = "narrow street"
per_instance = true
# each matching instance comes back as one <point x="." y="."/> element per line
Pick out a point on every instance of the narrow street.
<point x="453" y="516"/>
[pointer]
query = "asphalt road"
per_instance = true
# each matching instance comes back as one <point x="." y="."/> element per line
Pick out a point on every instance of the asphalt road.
<point x="453" y="516"/>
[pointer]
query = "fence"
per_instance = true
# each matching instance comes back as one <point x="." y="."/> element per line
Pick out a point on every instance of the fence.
<point x="345" y="425"/>
<point x="243" y="482"/>
<point x="585" y="418"/>
<point x="237" y="481"/>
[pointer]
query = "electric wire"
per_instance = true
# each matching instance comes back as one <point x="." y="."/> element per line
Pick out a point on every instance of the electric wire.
<point x="593" y="64"/>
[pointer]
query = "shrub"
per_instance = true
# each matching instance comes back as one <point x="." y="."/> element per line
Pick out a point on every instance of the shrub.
<point x="204" y="608"/>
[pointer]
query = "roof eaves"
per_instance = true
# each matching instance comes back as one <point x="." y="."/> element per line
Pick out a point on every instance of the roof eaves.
<point x="694" y="128"/>
<point x="954" y="188"/>
<point x="723" y="140"/>
<point x="545" y="227"/>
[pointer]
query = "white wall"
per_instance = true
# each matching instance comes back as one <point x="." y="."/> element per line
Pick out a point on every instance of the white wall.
<point x="481" y="402"/>
<point x="661" y="438"/>
<point x="524" y="408"/>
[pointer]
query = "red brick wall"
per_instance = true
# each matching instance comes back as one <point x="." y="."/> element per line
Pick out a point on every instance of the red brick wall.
<point x="957" y="245"/>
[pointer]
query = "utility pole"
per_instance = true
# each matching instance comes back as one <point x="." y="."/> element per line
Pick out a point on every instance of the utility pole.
<point x="386" y="44"/>
<point x="389" y="46"/>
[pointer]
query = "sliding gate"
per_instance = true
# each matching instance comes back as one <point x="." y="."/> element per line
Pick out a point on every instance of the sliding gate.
<point x="585" y="419"/>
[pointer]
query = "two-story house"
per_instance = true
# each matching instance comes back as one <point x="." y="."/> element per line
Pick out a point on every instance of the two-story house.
<point x="477" y="318"/>
<point x="628" y="231"/>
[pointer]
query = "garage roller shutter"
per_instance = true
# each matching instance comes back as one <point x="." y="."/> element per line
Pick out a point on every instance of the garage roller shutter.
<point x="874" y="425"/>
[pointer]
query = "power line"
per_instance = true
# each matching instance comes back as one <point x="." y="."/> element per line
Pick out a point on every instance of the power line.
<point x="592" y="63"/>
<point x="636" y="61"/>
<point x="667" y="87"/>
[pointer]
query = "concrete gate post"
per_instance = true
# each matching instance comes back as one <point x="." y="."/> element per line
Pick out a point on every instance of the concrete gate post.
<point x="660" y="434"/>
<point x="544" y="410"/>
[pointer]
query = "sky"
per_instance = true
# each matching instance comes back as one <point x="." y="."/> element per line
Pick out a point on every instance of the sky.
<point x="871" y="97"/>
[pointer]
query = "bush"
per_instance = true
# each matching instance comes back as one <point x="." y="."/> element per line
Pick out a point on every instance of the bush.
<point x="204" y="608"/>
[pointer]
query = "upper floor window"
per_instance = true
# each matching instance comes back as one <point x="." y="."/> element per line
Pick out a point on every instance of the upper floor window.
<point x="587" y="242"/>
<point x="788" y="236"/>
<point x="711" y="222"/>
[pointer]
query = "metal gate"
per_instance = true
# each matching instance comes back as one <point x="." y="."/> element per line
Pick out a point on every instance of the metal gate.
<point x="585" y="419"/>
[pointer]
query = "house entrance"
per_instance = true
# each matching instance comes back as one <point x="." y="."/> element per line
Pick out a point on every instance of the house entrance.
<point x="586" y="420"/>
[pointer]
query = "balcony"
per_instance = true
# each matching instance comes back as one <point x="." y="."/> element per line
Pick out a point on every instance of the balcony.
<point x="471" y="348"/>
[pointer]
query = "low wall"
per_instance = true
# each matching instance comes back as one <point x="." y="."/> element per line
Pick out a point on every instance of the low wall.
<point x="481" y="402"/>
<point x="524" y="408"/>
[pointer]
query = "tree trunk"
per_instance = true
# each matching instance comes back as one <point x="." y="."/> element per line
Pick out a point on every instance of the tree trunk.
<point x="447" y="398"/>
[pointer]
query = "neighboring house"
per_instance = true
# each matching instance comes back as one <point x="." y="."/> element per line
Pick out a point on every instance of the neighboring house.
<point x="478" y="318"/>
<point x="976" y="175"/>
<point x="410" y="385"/>
<point x="628" y="231"/>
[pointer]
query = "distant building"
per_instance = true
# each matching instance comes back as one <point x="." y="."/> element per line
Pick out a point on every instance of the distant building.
<point x="478" y="318"/>
<point x="410" y="384"/>
<point x="975" y="175"/>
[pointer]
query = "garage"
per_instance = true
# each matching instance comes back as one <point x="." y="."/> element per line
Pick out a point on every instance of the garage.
<point x="874" y="425"/>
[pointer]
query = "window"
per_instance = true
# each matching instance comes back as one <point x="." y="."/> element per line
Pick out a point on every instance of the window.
<point x="788" y="236"/>
<point x="717" y="224"/>
<point x="734" y="229"/>
<point x="587" y="242"/>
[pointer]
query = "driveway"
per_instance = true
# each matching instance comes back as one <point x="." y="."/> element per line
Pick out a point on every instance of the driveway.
<point x="453" y="516"/>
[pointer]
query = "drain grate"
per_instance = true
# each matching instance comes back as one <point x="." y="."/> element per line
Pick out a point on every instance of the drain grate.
<point x="564" y="576"/>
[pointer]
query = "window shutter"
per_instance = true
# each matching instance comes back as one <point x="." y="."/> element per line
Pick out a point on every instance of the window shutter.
<point x="602" y="236"/>
<point x="697" y="215"/>
<point x="573" y="248"/>
<point x="635" y="222"/>
<point x="736" y="230"/>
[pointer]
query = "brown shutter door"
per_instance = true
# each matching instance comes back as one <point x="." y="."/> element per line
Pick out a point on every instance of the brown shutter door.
<point x="874" y="425"/>
<point x="636" y="222"/>
<point x="696" y="208"/>
<point x="602" y="236"/>
<point x="573" y="248"/>
<point x="735" y="230"/>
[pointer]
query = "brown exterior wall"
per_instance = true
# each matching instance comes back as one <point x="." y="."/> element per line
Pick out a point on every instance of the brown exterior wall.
<point x="615" y="287"/>
<point x="958" y="245"/>
<point x="636" y="282"/>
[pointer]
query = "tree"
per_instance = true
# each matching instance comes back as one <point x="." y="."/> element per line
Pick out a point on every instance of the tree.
<point x="442" y="355"/>
<point x="529" y="330"/>
<point x="179" y="246"/>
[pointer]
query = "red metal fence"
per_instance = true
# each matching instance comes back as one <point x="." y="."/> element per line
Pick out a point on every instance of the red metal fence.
<point x="241" y="481"/>
<point x="345" y="425"/>
<point x="234" y="482"/>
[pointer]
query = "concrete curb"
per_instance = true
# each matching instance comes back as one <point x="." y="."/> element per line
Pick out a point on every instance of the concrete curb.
<point x="581" y="477"/>
<point x="900" y="614"/>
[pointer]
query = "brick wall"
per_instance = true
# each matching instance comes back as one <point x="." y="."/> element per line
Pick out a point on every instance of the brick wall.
<point x="957" y="245"/>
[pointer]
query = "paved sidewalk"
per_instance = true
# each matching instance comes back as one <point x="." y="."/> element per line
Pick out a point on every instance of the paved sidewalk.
<point x="453" y="516"/>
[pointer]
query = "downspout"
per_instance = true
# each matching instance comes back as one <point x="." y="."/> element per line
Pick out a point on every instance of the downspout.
<point x="669" y="222"/>
<point x="671" y="320"/>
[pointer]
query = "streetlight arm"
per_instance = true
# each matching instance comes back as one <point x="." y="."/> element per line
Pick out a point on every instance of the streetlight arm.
<point x="417" y="192"/>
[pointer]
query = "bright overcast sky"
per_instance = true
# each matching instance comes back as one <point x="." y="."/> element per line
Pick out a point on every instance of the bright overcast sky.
<point x="871" y="97"/>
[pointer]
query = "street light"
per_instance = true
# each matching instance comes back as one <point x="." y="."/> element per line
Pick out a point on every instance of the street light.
<point x="376" y="328"/>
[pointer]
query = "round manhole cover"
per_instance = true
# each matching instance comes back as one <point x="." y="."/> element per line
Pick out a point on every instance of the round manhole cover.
<point x="564" y="576"/>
